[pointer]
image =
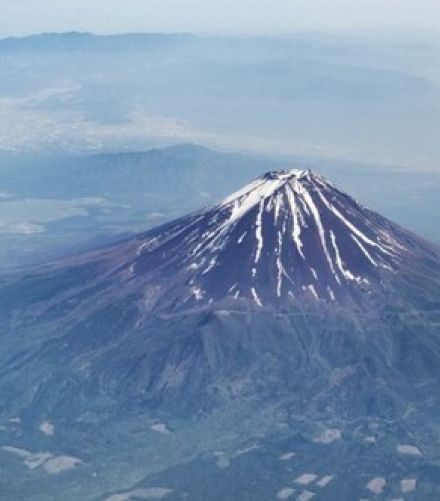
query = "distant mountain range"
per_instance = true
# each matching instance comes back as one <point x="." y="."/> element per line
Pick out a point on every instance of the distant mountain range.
<point x="184" y="175"/>
<point x="78" y="41"/>
<point x="305" y="94"/>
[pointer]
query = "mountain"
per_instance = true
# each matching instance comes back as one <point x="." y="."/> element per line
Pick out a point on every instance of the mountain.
<point x="287" y="237"/>
<point x="185" y="175"/>
<point x="289" y="243"/>
<point x="285" y="315"/>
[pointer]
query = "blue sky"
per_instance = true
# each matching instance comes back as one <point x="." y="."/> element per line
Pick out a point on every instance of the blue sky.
<point x="19" y="17"/>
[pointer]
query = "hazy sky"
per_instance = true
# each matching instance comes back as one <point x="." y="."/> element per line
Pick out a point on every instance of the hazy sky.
<point x="18" y="17"/>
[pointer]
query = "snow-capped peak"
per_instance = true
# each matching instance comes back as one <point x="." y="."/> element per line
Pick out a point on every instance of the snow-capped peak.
<point x="286" y="236"/>
<point x="267" y="184"/>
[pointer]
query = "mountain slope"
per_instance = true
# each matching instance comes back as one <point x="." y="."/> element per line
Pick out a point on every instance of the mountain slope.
<point x="283" y="311"/>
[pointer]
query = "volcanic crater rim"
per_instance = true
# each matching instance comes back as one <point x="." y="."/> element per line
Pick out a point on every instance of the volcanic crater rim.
<point x="287" y="174"/>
